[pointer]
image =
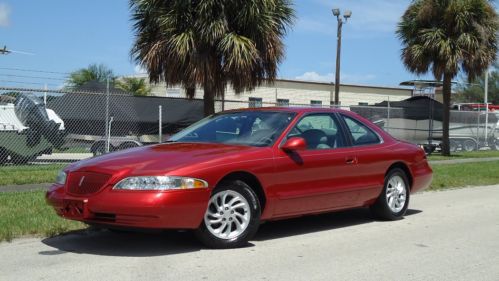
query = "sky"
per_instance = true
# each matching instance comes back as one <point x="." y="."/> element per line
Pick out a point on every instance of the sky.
<point x="55" y="37"/>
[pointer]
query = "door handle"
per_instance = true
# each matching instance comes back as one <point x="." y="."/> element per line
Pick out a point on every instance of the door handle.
<point x="351" y="160"/>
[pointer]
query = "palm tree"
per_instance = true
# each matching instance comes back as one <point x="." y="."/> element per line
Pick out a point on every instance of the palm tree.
<point x="448" y="36"/>
<point x="210" y="43"/>
<point x="473" y="92"/>
<point x="94" y="72"/>
<point x="136" y="86"/>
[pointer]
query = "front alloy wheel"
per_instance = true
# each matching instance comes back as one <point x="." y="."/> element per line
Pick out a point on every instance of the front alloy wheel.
<point x="228" y="214"/>
<point x="394" y="199"/>
<point x="232" y="216"/>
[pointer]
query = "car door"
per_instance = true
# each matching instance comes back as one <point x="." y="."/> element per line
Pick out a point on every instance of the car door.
<point x="319" y="177"/>
<point x="369" y="150"/>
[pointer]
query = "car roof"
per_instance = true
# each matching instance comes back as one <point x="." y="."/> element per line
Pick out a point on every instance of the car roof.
<point x="289" y="109"/>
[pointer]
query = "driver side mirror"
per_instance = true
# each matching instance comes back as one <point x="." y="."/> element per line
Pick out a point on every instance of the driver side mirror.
<point x="295" y="144"/>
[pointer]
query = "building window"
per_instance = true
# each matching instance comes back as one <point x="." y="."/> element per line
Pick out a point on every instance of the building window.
<point x="283" y="102"/>
<point x="316" y="103"/>
<point x="173" y="92"/>
<point x="255" y="102"/>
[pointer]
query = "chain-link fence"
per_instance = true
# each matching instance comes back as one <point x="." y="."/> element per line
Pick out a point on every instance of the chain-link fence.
<point x="43" y="126"/>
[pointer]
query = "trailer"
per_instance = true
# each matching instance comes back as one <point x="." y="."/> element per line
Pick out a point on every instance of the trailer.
<point x="419" y="120"/>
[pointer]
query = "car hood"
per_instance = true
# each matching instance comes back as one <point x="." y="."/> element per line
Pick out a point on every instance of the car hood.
<point x="162" y="158"/>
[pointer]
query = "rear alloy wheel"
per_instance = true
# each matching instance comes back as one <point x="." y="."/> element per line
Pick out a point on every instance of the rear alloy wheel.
<point x="394" y="200"/>
<point x="232" y="216"/>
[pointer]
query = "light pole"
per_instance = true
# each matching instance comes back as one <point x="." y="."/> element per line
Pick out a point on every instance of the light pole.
<point x="347" y="14"/>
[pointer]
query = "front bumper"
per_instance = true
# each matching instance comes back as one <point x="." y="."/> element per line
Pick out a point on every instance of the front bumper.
<point x="175" y="209"/>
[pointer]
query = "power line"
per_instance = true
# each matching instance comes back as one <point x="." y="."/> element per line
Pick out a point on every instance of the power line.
<point x="33" y="77"/>
<point x="34" y="70"/>
<point x="29" y="83"/>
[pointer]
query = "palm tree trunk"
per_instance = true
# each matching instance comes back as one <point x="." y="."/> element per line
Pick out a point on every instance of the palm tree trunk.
<point x="209" y="101"/>
<point x="209" y="93"/>
<point x="446" y="91"/>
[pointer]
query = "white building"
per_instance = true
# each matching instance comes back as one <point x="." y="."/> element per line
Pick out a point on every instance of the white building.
<point x="293" y="92"/>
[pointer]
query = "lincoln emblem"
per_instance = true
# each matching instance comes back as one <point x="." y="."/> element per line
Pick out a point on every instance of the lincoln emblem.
<point x="81" y="181"/>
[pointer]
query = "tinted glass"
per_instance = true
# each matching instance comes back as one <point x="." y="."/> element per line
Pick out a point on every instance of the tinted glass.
<point x="246" y="128"/>
<point x="361" y="134"/>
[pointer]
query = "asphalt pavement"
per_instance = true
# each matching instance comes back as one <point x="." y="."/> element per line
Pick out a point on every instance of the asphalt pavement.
<point x="446" y="235"/>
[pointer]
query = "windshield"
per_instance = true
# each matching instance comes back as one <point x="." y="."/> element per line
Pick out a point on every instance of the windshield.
<point x="253" y="128"/>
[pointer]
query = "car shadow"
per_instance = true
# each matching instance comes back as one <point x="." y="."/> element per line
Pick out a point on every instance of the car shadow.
<point x="125" y="244"/>
<point x="316" y="223"/>
<point x="136" y="244"/>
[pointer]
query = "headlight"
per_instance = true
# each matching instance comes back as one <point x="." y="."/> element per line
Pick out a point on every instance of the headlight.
<point x="159" y="183"/>
<point x="61" y="178"/>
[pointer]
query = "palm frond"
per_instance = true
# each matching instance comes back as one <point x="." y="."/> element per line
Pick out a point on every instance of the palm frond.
<point x="210" y="43"/>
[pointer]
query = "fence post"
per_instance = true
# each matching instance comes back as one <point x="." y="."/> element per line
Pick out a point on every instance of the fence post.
<point x="45" y="95"/>
<point x="108" y="139"/>
<point x="388" y="115"/>
<point x="160" y="131"/>
<point x="478" y="127"/>
<point x="107" y="135"/>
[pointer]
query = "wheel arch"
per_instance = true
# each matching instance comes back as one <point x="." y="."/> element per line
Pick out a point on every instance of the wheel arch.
<point x="251" y="180"/>
<point x="403" y="166"/>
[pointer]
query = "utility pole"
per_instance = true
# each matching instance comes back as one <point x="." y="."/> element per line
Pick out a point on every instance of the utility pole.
<point x="341" y="21"/>
<point x="486" y="100"/>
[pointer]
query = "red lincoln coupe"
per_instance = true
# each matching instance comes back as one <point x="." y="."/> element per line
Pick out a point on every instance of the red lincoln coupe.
<point x="225" y="174"/>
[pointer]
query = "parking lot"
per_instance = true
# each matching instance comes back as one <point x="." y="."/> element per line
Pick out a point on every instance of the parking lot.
<point x="448" y="235"/>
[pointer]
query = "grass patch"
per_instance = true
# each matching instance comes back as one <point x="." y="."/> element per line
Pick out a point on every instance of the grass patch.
<point x="462" y="155"/>
<point x="465" y="174"/>
<point x="28" y="174"/>
<point x="26" y="213"/>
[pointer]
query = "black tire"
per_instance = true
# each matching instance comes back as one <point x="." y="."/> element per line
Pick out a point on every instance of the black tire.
<point x="453" y="145"/>
<point x="127" y="145"/>
<point x="381" y="208"/>
<point x="494" y="144"/>
<point x="210" y="240"/>
<point x="100" y="149"/>
<point x="469" y="145"/>
<point x="20" y="160"/>
<point x="3" y="156"/>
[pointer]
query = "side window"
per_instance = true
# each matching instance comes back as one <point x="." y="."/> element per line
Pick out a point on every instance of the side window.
<point x="320" y="131"/>
<point x="361" y="134"/>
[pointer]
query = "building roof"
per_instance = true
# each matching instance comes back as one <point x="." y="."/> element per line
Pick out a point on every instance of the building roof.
<point x="321" y="83"/>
